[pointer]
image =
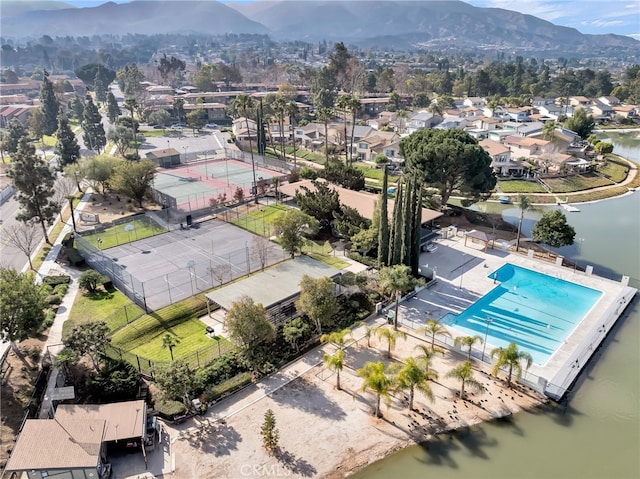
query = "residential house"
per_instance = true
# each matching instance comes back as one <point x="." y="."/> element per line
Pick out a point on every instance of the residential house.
<point x="474" y="102"/>
<point x="557" y="163"/>
<point x="453" y="123"/>
<point x="525" y="146"/>
<point x="627" y="111"/>
<point x="240" y="130"/>
<point x="601" y="111"/>
<point x="553" y="111"/>
<point x="519" y="114"/>
<point x="484" y="123"/>
<point x="359" y="133"/>
<point x="310" y="136"/>
<point x="17" y="99"/>
<point x="579" y="101"/>
<point x="501" y="161"/>
<point x="609" y="100"/>
<point x="421" y="120"/>
<point x="18" y="112"/>
<point x="215" y="112"/>
<point x="524" y="129"/>
<point x="368" y="147"/>
<point x="542" y="101"/>
<point x="499" y="135"/>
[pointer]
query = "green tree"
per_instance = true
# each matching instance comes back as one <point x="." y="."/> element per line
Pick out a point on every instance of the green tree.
<point x="247" y="324"/>
<point x="99" y="170"/>
<point x="295" y="330"/>
<point x="196" y="119"/>
<point x="411" y="377"/>
<point x="160" y="117"/>
<point x="450" y="160"/>
<point x="76" y="108"/>
<point x="34" y="182"/>
<point x="548" y="130"/>
<point x="90" y="280"/>
<point x="269" y="432"/>
<point x="169" y="341"/>
<point x="89" y="72"/>
<point x="177" y="381"/>
<point x="279" y="107"/>
<point x="581" y="123"/>
<point x="122" y="137"/>
<point x="395" y="102"/>
<point x="512" y="358"/>
<point x="320" y="202"/>
<point x="395" y="280"/>
<point x="89" y="339"/>
<point x="93" y="136"/>
<point x="130" y="80"/>
<point x="391" y="337"/>
<point x="113" y="110"/>
<point x="464" y="374"/>
<point x="524" y="204"/>
<point x="67" y="147"/>
<point x="178" y="109"/>
<point x="50" y="106"/>
<point x="131" y="104"/>
<point x="343" y="104"/>
<point x="14" y="133"/>
<point x="604" y="148"/>
<point x="290" y="226"/>
<point x="354" y="107"/>
<point x="22" y="307"/>
<point x="318" y="300"/>
<point x="37" y="126"/>
<point x="335" y="362"/>
<point x="378" y="381"/>
<point x="552" y="229"/>
<point x="434" y="328"/>
<point x="467" y="342"/>
<point x="134" y="179"/>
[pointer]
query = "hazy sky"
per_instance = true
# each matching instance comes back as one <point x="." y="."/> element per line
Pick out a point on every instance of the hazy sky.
<point x="587" y="16"/>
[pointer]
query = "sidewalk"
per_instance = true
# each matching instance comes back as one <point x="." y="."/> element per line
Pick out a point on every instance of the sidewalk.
<point x="53" y="344"/>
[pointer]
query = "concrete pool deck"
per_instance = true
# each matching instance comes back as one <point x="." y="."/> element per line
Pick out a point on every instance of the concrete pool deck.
<point x="462" y="278"/>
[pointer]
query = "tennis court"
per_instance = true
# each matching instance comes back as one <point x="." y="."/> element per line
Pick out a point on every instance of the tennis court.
<point x="166" y="268"/>
<point x="192" y="186"/>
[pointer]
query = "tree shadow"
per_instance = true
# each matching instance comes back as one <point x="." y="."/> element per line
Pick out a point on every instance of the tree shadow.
<point x="296" y="465"/>
<point x="306" y="396"/>
<point x="213" y="437"/>
<point x="439" y="451"/>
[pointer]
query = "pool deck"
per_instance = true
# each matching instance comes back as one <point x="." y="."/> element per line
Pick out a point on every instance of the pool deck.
<point x="462" y="278"/>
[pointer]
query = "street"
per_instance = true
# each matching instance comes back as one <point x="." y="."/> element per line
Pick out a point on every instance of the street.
<point x="10" y="256"/>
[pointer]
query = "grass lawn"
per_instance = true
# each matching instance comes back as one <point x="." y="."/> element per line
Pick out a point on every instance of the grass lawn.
<point x="323" y="252"/>
<point x="259" y="220"/>
<point x="615" y="170"/>
<point x="153" y="133"/>
<point x="49" y="140"/>
<point x="374" y="173"/>
<point x="521" y="186"/>
<point x="576" y="183"/>
<point x="143" y="227"/>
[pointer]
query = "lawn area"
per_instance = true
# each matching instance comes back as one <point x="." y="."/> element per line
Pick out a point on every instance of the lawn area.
<point x="521" y="186"/>
<point x="110" y="306"/>
<point x="49" y="140"/>
<point x="576" y="183"/>
<point x="615" y="170"/>
<point x="143" y="227"/>
<point x="374" y="173"/>
<point x="323" y="252"/>
<point x="259" y="220"/>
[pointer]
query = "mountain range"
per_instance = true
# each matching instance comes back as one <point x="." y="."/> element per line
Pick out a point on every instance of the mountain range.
<point x="439" y="24"/>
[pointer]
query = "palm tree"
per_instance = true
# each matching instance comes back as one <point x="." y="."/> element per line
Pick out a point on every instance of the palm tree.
<point x="391" y="337"/>
<point x="339" y="338"/>
<point x="169" y="341"/>
<point x="378" y="381"/>
<point x="434" y="328"/>
<point x="425" y="357"/>
<point x="292" y="111"/>
<point x="325" y="115"/>
<point x="402" y="116"/>
<point x="279" y="107"/>
<point x="468" y="342"/>
<point x="511" y="357"/>
<point x="464" y="374"/>
<point x="396" y="279"/>
<point x="343" y="104"/>
<point x="524" y="203"/>
<point x="335" y="362"/>
<point x="244" y="102"/>
<point x="411" y="376"/>
<point x="354" y="106"/>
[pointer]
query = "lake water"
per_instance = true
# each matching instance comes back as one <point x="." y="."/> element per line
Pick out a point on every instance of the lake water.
<point x="595" y="435"/>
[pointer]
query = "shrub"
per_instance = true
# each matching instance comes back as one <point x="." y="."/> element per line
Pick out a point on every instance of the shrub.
<point x="227" y="387"/>
<point x="61" y="290"/>
<point x="308" y="173"/>
<point x="53" y="300"/>
<point x="169" y="409"/>
<point x="223" y="368"/>
<point x="56" y="280"/>
<point x="74" y="257"/>
<point x="90" y="280"/>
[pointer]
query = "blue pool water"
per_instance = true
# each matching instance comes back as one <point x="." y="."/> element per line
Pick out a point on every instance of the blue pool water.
<point x="532" y="309"/>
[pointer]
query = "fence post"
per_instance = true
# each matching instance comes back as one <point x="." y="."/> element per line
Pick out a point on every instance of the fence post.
<point x="139" y="367"/>
<point x="198" y="358"/>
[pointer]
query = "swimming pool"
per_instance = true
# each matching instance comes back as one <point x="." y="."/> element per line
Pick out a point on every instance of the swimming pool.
<point x="532" y="309"/>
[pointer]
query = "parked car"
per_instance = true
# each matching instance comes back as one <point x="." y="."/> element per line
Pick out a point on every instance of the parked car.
<point x="211" y="125"/>
<point x="431" y="248"/>
<point x="176" y="127"/>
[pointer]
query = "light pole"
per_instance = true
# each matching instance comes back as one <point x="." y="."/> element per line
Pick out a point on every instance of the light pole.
<point x="575" y="262"/>
<point x="486" y="333"/>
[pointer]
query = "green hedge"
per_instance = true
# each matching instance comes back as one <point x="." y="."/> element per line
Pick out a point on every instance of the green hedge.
<point x="227" y="387"/>
<point x="169" y="409"/>
<point x="56" y="280"/>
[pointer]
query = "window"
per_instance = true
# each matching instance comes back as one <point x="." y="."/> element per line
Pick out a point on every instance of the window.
<point x="363" y="146"/>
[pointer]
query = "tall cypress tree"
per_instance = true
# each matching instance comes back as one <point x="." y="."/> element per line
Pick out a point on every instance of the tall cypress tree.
<point x="417" y="230"/>
<point x="50" y="105"/>
<point x="407" y="222"/>
<point x="383" y="232"/>
<point x="67" y="147"/>
<point x="33" y="181"/>
<point x="395" y="250"/>
<point x="113" y="110"/>
<point x="94" y="136"/>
